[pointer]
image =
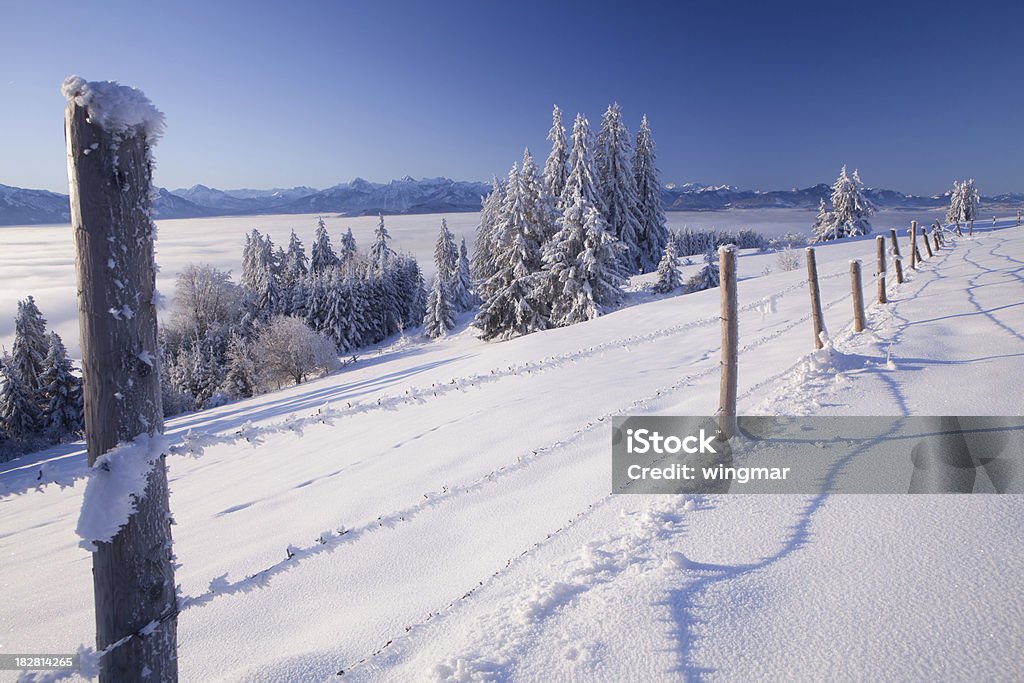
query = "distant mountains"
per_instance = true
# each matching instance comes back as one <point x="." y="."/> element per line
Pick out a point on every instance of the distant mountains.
<point x="427" y="195"/>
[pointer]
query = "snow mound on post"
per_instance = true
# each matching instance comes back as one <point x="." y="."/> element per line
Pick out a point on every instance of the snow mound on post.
<point x="116" y="484"/>
<point x="114" y="107"/>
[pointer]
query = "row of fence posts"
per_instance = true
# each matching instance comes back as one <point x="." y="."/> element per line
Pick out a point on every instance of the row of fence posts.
<point x="730" y="307"/>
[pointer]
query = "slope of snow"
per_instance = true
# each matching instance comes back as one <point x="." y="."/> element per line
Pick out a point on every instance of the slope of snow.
<point x="446" y="505"/>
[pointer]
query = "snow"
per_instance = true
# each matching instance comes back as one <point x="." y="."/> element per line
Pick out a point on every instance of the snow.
<point x="115" y="484"/>
<point x="114" y="107"/>
<point x="442" y="510"/>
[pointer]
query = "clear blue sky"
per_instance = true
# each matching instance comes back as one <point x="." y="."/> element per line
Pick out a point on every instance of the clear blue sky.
<point x="757" y="94"/>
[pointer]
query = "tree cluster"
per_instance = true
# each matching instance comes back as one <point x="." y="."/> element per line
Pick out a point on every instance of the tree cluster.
<point x="40" y="394"/>
<point x="850" y="210"/>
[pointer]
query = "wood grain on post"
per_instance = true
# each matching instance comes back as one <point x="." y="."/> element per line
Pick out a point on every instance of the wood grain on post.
<point x="880" y="267"/>
<point x="858" y="296"/>
<point x="897" y="261"/>
<point x="730" y="340"/>
<point x="817" y="319"/>
<point x="110" y="178"/>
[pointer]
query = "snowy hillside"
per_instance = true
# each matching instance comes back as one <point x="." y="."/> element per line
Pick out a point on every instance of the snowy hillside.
<point x="442" y="510"/>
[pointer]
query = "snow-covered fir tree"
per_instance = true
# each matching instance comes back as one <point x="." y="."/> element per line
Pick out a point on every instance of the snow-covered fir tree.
<point x="582" y="179"/>
<point x="653" y="231"/>
<point x="824" y="228"/>
<point x="446" y="255"/>
<point x="381" y="252"/>
<point x="709" y="276"/>
<point x="347" y="249"/>
<point x="465" y="280"/>
<point x="512" y="300"/>
<point x="62" y="391"/>
<point x="538" y="204"/>
<point x="618" y="186"/>
<point x="342" y="312"/>
<point x="668" y="272"/>
<point x="296" y="265"/>
<point x="556" y="169"/>
<point x="440" y="317"/>
<point x="19" y="412"/>
<point x="30" y="347"/>
<point x="482" y="266"/>
<point x="964" y="202"/>
<point x="322" y="257"/>
<point x="850" y="209"/>
<point x="241" y="378"/>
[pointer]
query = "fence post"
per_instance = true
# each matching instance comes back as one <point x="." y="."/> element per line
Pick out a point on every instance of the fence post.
<point x="927" y="244"/>
<point x="817" y="319"/>
<point x="880" y="267"/>
<point x="959" y="233"/>
<point x="1018" y="218"/>
<point x="971" y="233"/>
<point x="896" y="256"/>
<point x="858" y="296"/>
<point x="935" y="238"/>
<point x="915" y="255"/>
<point x="110" y="180"/>
<point x="730" y="340"/>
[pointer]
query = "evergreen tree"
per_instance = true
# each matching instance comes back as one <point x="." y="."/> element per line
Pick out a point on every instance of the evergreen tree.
<point x="538" y="205"/>
<point x="709" y="276"/>
<point x="347" y="249"/>
<point x="322" y="257"/>
<point x="653" y="231"/>
<point x="19" y="412"/>
<point x="556" y="170"/>
<point x="618" y="186"/>
<point x="482" y="265"/>
<point x="668" y="273"/>
<point x="381" y="252"/>
<point x="62" y="392"/>
<point x="250" y="259"/>
<point x="466" y="279"/>
<point x="240" y="381"/>
<point x="581" y="181"/>
<point x="296" y="265"/>
<point x="440" y="317"/>
<point x="850" y="209"/>
<point x="824" y="228"/>
<point x="30" y="347"/>
<point x="956" y="203"/>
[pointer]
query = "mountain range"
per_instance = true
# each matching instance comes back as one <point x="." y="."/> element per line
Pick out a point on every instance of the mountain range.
<point x="19" y="206"/>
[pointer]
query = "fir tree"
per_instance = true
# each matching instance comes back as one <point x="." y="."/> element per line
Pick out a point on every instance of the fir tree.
<point x="19" y="412"/>
<point x="347" y="250"/>
<point x="440" y="317"/>
<point x="618" y="186"/>
<point x="381" y="252"/>
<point x="556" y="170"/>
<point x="581" y="181"/>
<point x="824" y="228"/>
<point x="296" y="265"/>
<point x="62" y="392"/>
<point x="850" y="209"/>
<point x="240" y="381"/>
<point x="482" y="266"/>
<point x="465" y="279"/>
<point x="653" y="231"/>
<point x="30" y="347"/>
<point x="538" y="205"/>
<point x="322" y="257"/>
<point x="709" y="276"/>
<point x="668" y="273"/>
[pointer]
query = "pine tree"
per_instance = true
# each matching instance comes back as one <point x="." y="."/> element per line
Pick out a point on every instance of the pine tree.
<point x="850" y="208"/>
<point x="381" y="252"/>
<point x="618" y="186"/>
<point x="538" y="204"/>
<point x="322" y="257"/>
<point x="30" y="347"/>
<point x="824" y="228"/>
<point x="240" y="381"/>
<point x="556" y="170"/>
<point x="347" y="250"/>
<point x="709" y="276"/>
<point x="250" y="259"/>
<point x="19" y="412"/>
<point x="296" y="265"/>
<point x="668" y="273"/>
<point x="62" y="392"/>
<point x="440" y="317"/>
<point x="956" y="203"/>
<point x="482" y="265"/>
<point x="466" y="279"/>
<point x="581" y="181"/>
<point x="653" y="231"/>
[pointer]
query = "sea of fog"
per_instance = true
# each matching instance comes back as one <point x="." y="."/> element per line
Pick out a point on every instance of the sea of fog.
<point x="39" y="259"/>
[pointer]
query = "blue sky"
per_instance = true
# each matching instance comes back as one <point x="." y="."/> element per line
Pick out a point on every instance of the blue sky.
<point x="761" y="95"/>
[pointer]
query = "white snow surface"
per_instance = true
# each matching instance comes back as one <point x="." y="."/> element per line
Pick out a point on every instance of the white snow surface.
<point x="441" y="511"/>
<point x="114" y="107"/>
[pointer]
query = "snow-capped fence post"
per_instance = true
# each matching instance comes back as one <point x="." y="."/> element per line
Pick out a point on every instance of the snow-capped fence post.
<point x="927" y="244"/>
<point x="817" y="319"/>
<point x="730" y="340"/>
<point x="109" y="130"/>
<point x="914" y="253"/>
<point x="896" y="256"/>
<point x="858" y="296"/>
<point x="1018" y="218"/>
<point x="880" y="259"/>
<point x="935" y="238"/>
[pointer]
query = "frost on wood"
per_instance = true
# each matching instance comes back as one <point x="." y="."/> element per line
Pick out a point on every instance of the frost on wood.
<point x="115" y="108"/>
<point x="116" y="484"/>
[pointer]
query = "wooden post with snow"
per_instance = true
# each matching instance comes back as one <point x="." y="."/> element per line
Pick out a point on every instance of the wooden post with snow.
<point x="971" y="233"/>
<point x="109" y="130"/>
<point x="914" y="254"/>
<point x="927" y="244"/>
<point x="858" y="296"/>
<point x="897" y="261"/>
<point x="880" y="267"/>
<point x="817" y="319"/>
<point x="1018" y="218"/>
<point x="730" y="340"/>
<point x="935" y="238"/>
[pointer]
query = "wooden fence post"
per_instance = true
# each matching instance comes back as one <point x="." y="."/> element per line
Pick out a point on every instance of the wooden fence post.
<point x="817" y="319"/>
<point x="880" y="267"/>
<point x="927" y="244"/>
<point x="971" y="233"/>
<point x="1018" y="218"/>
<point x="110" y="179"/>
<point x="935" y="238"/>
<point x="858" y="296"/>
<point x="897" y="261"/>
<point x="959" y="233"/>
<point x="914" y="255"/>
<point x="730" y="340"/>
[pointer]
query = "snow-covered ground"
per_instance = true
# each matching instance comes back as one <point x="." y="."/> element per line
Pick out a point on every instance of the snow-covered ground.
<point x="448" y="512"/>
